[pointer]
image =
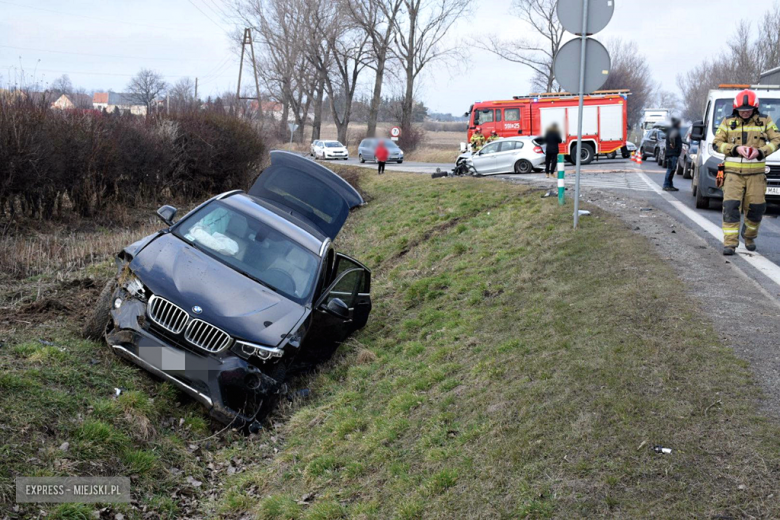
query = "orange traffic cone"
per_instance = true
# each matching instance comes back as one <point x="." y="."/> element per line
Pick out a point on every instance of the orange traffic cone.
<point x="639" y="158"/>
<point x="633" y="156"/>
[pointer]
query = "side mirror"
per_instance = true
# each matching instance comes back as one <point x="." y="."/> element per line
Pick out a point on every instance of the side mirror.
<point x="166" y="214"/>
<point x="338" y="308"/>
<point x="698" y="131"/>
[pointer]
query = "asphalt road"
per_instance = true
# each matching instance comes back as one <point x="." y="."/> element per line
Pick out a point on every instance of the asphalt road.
<point x="629" y="180"/>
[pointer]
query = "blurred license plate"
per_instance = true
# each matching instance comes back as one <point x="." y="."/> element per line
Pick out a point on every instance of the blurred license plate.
<point x="773" y="191"/>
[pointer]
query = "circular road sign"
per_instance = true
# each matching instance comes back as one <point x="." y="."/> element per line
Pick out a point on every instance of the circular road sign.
<point x="395" y="132"/>
<point x="599" y="14"/>
<point x="567" y="65"/>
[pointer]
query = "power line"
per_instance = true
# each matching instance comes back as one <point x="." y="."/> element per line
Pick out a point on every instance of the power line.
<point x="109" y="20"/>
<point x="92" y="73"/>
<point x="207" y="16"/>
<point x="103" y="55"/>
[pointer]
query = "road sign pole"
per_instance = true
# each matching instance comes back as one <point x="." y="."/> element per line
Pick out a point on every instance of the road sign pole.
<point x="580" y="110"/>
<point x="561" y="184"/>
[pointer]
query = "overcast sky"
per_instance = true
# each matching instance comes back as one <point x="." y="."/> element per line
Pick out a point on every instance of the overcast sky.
<point x="100" y="44"/>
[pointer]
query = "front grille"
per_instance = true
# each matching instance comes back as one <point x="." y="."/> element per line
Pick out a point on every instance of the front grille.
<point x="167" y="315"/>
<point x="774" y="171"/>
<point x="206" y="336"/>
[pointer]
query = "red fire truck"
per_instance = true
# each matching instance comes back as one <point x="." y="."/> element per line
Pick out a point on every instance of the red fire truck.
<point x="603" y="122"/>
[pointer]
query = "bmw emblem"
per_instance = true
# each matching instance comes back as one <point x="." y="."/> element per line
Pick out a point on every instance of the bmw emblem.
<point x="197" y="310"/>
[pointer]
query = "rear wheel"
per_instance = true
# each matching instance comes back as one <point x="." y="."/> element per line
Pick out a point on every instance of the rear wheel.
<point x="586" y="155"/>
<point x="687" y="171"/>
<point x="98" y="322"/>
<point x="523" y="166"/>
<point x="611" y="155"/>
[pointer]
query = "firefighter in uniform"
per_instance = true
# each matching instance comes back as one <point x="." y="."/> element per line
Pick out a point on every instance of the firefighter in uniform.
<point x="746" y="139"/>
<point x="477" y="140"/>
<point x="493" y="137"/>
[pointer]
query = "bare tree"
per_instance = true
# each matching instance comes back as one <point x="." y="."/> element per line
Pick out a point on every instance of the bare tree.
<point x="147" y="87"/>
<point x="377" y="18"/>
<point x="750" y="52"/>
<point x="536" y="51"/>
<point x="279" y="26"/>
<point x="630" y="71"/>
<point x="62" y="85"/>
<point x="417" y="41"/>
<point x="182" y="95"/>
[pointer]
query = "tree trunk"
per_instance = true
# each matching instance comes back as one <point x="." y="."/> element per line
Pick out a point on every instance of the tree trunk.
<point x="316" y="127"/>
<point x="376" y="99"/>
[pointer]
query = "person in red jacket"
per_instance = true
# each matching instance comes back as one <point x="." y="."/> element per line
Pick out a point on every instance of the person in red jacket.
<point x="381" y="155"/>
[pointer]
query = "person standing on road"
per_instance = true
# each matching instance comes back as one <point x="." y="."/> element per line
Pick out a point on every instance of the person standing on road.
<point x="493" y="137"/>
<point x="746" y="139"/>
<point x="552" y="140"/>
<point x="673" y="151"/>
<point x="381" y="153"/>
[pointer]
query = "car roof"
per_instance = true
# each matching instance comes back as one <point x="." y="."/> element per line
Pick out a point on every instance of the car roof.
<point x="297" y="229"/>
<point x="331" y="141"/>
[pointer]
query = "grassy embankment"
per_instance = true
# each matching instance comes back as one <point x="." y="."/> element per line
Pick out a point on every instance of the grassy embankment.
<point x="511" y="368"/>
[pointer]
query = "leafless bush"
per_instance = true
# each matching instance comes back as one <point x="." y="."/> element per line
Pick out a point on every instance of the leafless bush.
<point x="86" y="161"/>
<point x="411" y="138"/>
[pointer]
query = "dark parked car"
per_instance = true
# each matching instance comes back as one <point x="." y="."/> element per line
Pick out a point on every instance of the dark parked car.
<point x="242" y="291"/>
<point x="367" y="147"/>
<point x="688" y="156"/>
<point x="649" y="147"/>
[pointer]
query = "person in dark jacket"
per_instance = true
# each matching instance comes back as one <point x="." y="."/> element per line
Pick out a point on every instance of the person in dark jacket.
<point x="673" y="150"/>
<point x="552" y="139"/>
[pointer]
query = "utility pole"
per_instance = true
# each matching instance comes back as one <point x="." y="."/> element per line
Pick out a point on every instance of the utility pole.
<point x="247" y="41"/>
<point x="196" y="90"/>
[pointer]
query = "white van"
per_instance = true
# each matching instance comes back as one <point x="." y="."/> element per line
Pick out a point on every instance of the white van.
<point x="720" y="104"/>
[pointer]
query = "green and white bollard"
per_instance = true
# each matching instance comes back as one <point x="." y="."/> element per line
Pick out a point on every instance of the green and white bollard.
<point x="561" y="186"/>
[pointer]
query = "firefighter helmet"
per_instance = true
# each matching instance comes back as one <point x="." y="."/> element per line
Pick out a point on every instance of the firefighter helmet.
<point x="479" y="129"/>
<point x="746" y="100"/>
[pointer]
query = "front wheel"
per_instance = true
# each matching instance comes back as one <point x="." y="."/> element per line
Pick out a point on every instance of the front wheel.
<point x="523" y="166"/>
<point x="400" y="161"/>
<point x="625" y="153"/>
<point x="687" y="171"/>
<point x="702" y="202"/>
<point x="97" y="323"/>
<point x="360" y="158"/>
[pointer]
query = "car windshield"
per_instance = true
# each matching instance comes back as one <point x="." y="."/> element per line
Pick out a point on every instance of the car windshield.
<point x="724" y="108"/>
<point x="334" y="144"/>
<point x="390" y="145"/>
<point x="252" y="248"/>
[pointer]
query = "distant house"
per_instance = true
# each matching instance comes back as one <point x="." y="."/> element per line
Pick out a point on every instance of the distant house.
<point x="71" y="101"/>
<point x="117" y="100"/>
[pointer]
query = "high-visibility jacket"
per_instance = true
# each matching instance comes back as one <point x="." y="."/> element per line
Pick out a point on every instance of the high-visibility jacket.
<point x="493" y="138"/>
<point x="758" y="132"/>
<point x="477" y="140"/>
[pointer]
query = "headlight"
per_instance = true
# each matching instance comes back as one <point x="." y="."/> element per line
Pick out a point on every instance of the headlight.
<point x="133" y="285"/>
<point x="260" y="351"/>
<point x="767" y="170"/>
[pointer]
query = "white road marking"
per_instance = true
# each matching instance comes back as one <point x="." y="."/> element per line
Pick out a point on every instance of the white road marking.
<point x="757" y="260"/>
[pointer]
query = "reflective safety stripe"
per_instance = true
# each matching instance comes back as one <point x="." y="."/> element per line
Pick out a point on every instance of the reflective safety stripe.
<point x="750" y="227"/>
<point x="560" y="183"/>
<point x="752" y="129"/>
<point x="745" y="165"/>
<point x="727" y="231"/>
<point x="771" y="146"/>
<point x="723" y="147"/>
<point x="772" y="126"/>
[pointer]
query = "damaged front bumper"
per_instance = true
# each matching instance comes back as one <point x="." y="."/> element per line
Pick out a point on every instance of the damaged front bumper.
<point x="234" y="391"/>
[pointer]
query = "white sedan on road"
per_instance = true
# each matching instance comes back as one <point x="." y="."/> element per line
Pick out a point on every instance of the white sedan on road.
<point x="509" y="155"/>
<point x="329" y="150"/>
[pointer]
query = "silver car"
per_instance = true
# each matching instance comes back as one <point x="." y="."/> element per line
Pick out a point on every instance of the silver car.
<point x="509" y="155"/>
<point x="367" y="147"/>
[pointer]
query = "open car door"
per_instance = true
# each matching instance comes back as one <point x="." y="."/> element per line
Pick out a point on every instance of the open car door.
<point x="306" y="190"/>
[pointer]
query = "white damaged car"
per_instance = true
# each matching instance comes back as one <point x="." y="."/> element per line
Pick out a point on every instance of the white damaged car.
<point x="509" y="155"/>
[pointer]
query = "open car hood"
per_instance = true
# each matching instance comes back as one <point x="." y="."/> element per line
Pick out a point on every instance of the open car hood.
<point x="308" y="191"/>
